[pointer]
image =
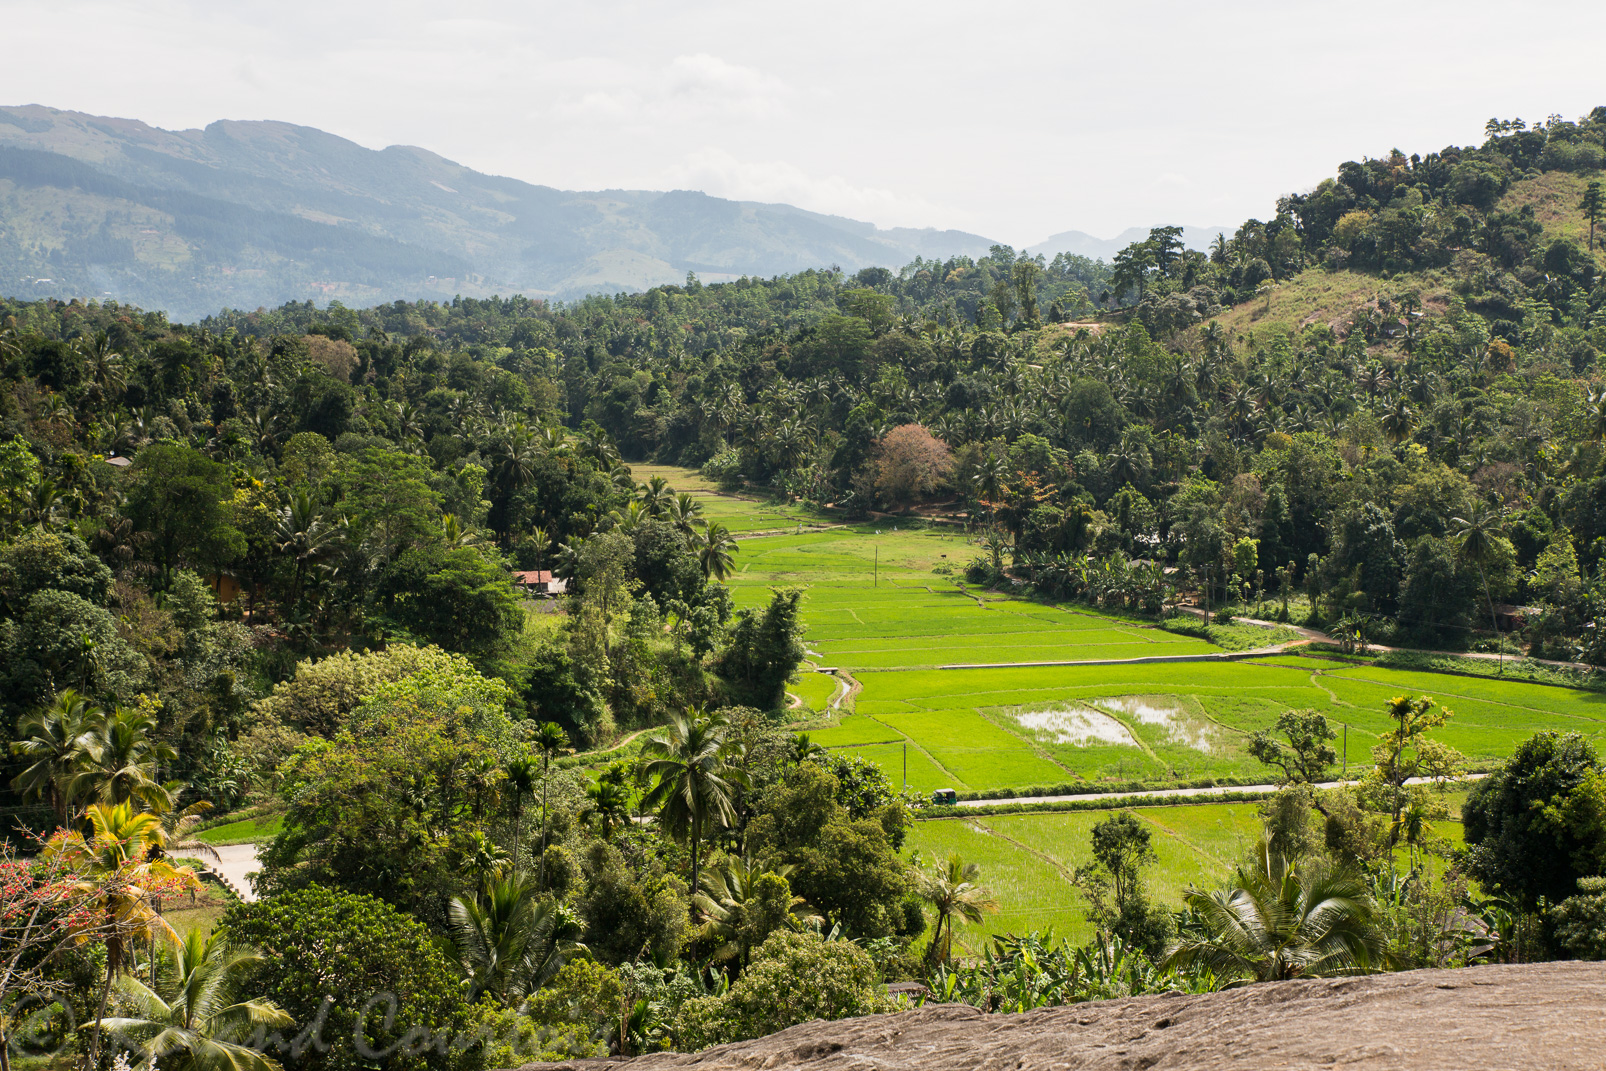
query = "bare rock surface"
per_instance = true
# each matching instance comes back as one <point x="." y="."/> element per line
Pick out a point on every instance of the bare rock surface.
<point x="1550" y="1015"/>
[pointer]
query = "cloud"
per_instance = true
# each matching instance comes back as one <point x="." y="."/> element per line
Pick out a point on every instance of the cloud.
<point x="718" y="172"/>
<point x="687" y="89"/>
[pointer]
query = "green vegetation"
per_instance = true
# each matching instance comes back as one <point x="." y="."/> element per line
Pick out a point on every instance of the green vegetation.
<point x="324" y="589"/>
<point x="245" y="831"/>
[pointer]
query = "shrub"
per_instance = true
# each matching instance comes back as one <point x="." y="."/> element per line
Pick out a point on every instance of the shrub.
<point x="322" y="694"/>
<point x="793" y="978"/>
<point x="339" y="962"/>
<point x="1581" y="920"/>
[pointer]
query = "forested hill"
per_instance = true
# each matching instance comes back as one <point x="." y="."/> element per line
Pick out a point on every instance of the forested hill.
<point x="1398" y="365"/>
<point x="246" y="214"/>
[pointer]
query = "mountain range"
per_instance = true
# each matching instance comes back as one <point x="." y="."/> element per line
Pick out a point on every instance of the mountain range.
<point x="249" y="214"/>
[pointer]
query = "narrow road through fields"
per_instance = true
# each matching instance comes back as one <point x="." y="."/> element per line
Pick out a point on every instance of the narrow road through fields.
<point x="1216" y="790"/>
<point x="234" y="862"/>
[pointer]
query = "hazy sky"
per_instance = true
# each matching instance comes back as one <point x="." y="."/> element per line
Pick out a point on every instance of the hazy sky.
<point x="1014" y="120"/>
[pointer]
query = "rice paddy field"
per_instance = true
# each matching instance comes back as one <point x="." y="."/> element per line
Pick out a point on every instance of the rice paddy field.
<point x="1027" y="860"/>
<point x="887" y="609"/>
<point x="889" y="617"/>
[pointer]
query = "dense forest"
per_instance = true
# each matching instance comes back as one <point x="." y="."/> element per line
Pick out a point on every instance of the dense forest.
<point x="268" y="556"/>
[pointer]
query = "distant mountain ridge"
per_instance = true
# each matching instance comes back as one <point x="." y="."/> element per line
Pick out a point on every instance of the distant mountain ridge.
<point x="248" y="214"/>
<point x="258" y="213"/>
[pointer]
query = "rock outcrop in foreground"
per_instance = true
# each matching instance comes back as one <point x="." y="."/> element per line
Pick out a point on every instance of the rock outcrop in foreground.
<point x="1550" y="1015"/>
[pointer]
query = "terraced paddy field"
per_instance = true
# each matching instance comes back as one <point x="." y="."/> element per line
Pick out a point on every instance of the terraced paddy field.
<point x="885" y="607"/>
<point x="739" y="513"/>
<point x="1020" y="727"/>
<point x="1027" y="859"/>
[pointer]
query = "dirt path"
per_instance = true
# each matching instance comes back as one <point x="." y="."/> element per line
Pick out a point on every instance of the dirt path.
<point x="235" y="864"/>
<point x="1214" y="656"/>
<point x="1311" y="635"/>
<point x="1215" y="790"/>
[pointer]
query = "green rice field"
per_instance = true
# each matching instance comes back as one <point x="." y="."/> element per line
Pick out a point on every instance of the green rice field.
<point x="886" y="608"/>
<point x="885" y="604"/>
<point x="1027" y="859"/>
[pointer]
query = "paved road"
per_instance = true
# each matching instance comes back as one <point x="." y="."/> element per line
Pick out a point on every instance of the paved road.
<point x="234" y="862"/>
<point x="1218" y="790"/>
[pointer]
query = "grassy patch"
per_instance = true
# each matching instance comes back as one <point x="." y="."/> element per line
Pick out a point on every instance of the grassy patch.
<point x="245" y="831"/>
<point x="815" y="689"/>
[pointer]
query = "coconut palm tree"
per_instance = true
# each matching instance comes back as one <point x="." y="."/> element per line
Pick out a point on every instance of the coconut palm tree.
<point x="656" y="496"/>
<point x="178" y="825"/>
<point x="305" y="535"/>
<point x="455" y="534"/>
<point x="802" y="748"/>
<point x="509" y="942"/>
<point x="684" y="512"/>
<point x="694" y="781"/>
<point x="190" y="1020"/>
<point x="104" y="363"/>
<point x="1474" y="539"/>
<point x="121" y="761"/>
<point x="541" y="541"/>
<point x="716" y="550"/>
<point x="729" y="896"/>
<point x="123" y="878"/>
<point x="607" y="807"/>
<point x="54" y="740"/>
<point x="1281" y="919"/>
<point x="951" y="890"/>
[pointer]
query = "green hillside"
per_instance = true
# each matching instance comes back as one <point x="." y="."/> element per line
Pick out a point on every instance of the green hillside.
<point x="248" y="214"/>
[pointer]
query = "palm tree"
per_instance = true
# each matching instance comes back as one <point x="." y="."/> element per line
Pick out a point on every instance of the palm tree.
<point x="509" y="942"/>
<point x="178" y="825"/>
<point x="521" y="781"/>
<point x="802" y="749"/>
<point x="716" y="550"/>
<point x="190" y="1020"/>
<point x="695" y="782"/>
<point x="454" y="534"/>
<point x="302" y="532"/>
<point x="1280" y="920"/>
<point x="607" y="807"/>
<point x="1400" y="421"/>
<point x="541" y="539"/>
<point x="684" y="511"/>
<point x="1474" y="538"/>
<point x="550" y="740"/>
<point x="726" y="904"/>
<point x="121" y="761"/>
<point x="105" y="364"/>
<point x="54" y="741"/>
<point x="123" y="879"/>
<point x="951" y="890"/>
<point x="656" y="496"/>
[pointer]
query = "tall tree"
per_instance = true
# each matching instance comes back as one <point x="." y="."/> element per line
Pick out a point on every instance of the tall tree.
<point x="180" y="496"/>
<point x="53" y="743"/>
<point x="951" y="888"/>
<point x="1593" y="205"/>
<point x="1474" y="537"/>
<point x="694" y="781"/>
<point x="551" y="741"/>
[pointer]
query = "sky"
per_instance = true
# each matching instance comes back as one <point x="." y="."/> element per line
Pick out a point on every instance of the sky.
<point x="1011" y="120"/>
